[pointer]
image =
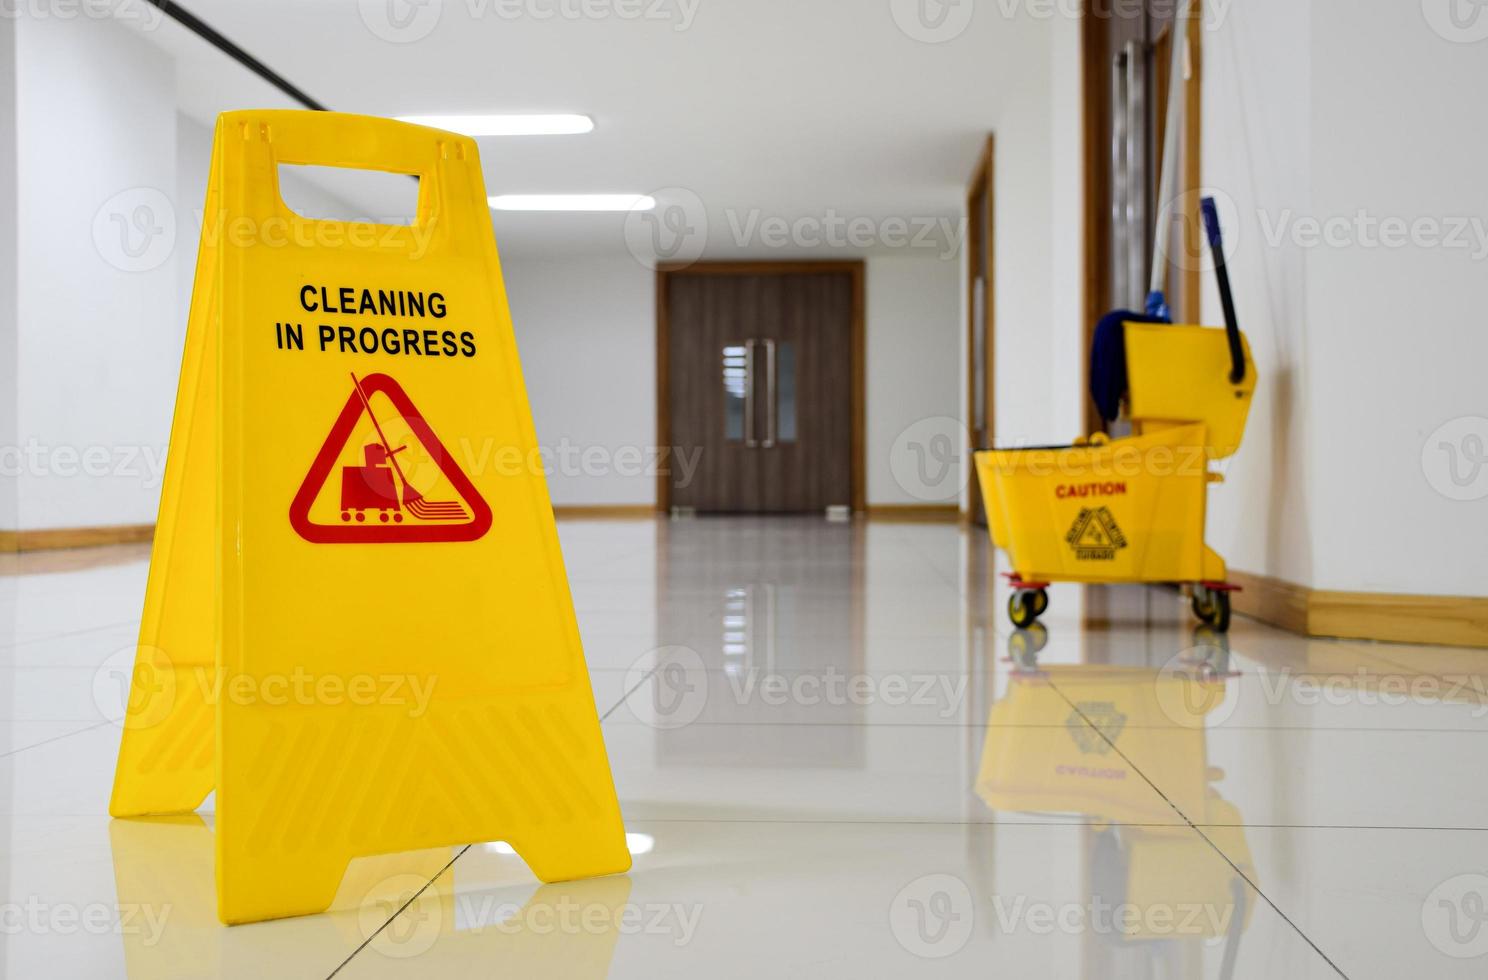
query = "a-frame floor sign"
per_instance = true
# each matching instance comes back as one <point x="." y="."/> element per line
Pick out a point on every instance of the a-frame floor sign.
<point x="357" y="625"/>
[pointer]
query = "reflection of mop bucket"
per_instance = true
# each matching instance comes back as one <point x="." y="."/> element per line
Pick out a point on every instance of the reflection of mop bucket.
<point x="1059" y="742"/>
<point x="376" y="482"/>
<point x="1052" y="744"/>
<point x="1174" y="888"/>
<point x="1131" y="509"/>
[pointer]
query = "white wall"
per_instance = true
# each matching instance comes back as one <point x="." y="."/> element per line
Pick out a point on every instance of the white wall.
<point x="1397" y="333"/>
<point x="1067" y="226"/>
<point x="586" y="330"/>
<point x="96" y="364"/>
<point x="914" y="342"/>
<point x="1038" y="396"/>
<point x="193" y="162"/>
<point x="1028" y="403"/>
<point x="1328" y="111"/>
<point x="9" y="341"/>
<point x="1256" y="157"/>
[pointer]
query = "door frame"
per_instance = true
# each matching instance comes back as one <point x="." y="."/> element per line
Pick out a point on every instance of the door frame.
<point x="983" y="184"/>
<point x="854" y="268"/>
<point x="1094" y="112"/>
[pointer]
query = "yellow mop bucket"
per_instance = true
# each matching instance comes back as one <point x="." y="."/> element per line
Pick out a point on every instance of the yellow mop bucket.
<point x="1125" y="511"/>
<point x="1131" y="509"/>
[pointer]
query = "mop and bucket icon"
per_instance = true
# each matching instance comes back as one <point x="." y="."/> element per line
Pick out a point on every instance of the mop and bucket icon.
<point x="379" y="485"/>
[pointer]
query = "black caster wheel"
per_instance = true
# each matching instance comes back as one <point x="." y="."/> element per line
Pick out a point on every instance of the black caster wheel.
<point x="1221" y="622"/>
<point x="1024" y="607"/>
<point x="1040" y="601"/>
<point x="1212" y="606"/>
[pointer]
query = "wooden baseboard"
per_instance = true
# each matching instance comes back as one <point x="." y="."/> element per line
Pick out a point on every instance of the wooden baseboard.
<point x="605" y="512"/>
<point x="1271" y="600"/>
<point x="50" y="539"/>
<point x="914" y="513"/>
<point x="1442" y="620"/>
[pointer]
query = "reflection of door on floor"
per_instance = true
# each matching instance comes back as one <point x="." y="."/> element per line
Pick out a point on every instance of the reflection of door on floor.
<point x="760" y="389"/>
<point x="749" y="597"/>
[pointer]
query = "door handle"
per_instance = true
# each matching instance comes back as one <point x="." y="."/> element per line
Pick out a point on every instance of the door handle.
<point x="771" y="421"/>
<point x="750" y="442"/>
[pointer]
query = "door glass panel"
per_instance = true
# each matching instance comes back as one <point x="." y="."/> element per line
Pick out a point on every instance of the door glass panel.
<point x="735" y="387"/>
<point x="785" y="392"/>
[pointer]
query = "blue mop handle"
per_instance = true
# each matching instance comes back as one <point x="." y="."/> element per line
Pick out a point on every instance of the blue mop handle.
<point x="1226" y="297"/>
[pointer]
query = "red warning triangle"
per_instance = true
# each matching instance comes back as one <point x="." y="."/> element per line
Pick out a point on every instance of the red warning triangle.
<point x="377" y="503"/>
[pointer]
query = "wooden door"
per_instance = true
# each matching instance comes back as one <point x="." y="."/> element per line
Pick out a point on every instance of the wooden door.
<point x="980" y="336"/>
<point x="760" y="390"/>
<point x="1128" y="59"/>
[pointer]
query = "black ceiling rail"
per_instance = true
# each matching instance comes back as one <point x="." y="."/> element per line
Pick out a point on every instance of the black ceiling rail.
<point x="216" y="39"/>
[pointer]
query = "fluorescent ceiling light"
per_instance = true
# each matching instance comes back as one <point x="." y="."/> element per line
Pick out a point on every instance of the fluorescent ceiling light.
<point x="509" y="124"/>
<point x="572" y="202"/>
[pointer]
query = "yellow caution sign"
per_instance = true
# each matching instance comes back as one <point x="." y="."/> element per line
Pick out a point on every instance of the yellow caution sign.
<point x="357" y="625"/>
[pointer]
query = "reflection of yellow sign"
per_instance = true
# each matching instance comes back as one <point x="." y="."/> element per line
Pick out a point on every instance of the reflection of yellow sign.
<point x="355" y="631"/>
<point x="403" y="907"/>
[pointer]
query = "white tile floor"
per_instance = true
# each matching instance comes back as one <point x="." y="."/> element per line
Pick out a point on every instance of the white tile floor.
<point x="835" y="758"/>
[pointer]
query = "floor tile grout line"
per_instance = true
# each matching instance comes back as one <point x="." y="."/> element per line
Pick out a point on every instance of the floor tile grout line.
<point x="843" y="821"/>
<point x="1195" y="828"/>
<point x="54" y="738"/>
<point x="68" y="633"/>
<point x="413" y="898"/>
<point x="626" y="696"/>
<point x="1406" y="669"/>
<point x="963" y="726"/>
<point x="973" y="824"/>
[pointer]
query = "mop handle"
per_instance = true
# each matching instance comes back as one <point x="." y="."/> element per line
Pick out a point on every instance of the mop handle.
<point x="1158" y="284"/>
<point x="1226" y="297"/>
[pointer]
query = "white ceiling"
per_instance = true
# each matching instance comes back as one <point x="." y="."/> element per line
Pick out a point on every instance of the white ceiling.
<point x="758" y="109"/>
